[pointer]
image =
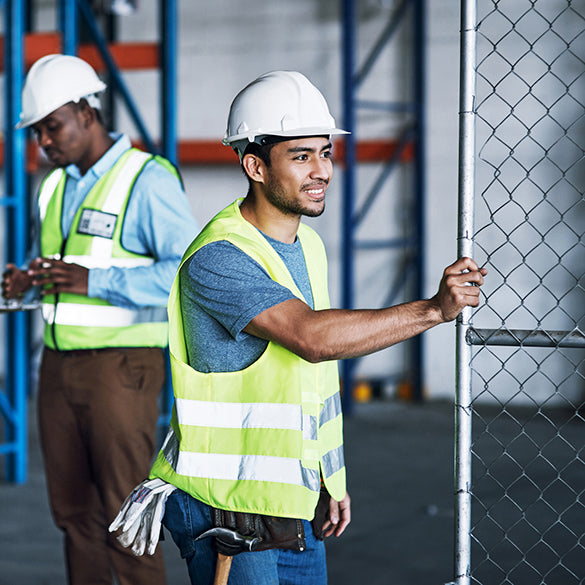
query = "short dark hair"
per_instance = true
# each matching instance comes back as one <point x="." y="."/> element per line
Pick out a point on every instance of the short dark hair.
<point x="262" y="151"/>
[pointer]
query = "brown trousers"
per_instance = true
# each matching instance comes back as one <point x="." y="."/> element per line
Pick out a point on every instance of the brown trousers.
<point x="97" y="417"/>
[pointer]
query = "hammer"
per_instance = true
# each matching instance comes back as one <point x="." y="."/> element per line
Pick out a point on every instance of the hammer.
<point x="228" y="543"/>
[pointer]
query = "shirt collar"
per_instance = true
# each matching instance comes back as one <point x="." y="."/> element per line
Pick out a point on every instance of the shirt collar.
<point x="106" y="162"/>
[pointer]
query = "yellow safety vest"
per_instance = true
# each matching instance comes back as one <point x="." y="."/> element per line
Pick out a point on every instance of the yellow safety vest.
<point x="80" y="322"/>
<point x="260" y="439"/>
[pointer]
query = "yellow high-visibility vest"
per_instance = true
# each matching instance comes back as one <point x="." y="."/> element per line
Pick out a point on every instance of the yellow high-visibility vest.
<point x="260" y="439"/>
<point x="94" y="241"/>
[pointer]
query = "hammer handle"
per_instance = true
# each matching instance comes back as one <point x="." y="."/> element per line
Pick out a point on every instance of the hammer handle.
<point x="222" y="569"/>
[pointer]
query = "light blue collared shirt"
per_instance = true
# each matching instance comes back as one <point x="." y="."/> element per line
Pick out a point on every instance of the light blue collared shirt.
<point x="158" y="223"/>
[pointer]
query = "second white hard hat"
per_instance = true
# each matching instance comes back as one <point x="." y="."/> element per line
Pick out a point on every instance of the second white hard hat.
<point x="278" y="103"/>
<point x="52" y="82"/>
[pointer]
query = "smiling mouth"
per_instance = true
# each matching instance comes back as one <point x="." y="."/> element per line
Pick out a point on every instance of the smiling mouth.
<point x="316" y="192"/>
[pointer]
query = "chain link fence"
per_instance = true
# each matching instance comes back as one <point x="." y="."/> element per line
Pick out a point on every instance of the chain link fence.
<point x="527" y="376"/>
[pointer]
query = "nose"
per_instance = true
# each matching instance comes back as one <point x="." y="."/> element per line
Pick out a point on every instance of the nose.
<point x="322" y="168"/>
<point x="43" y="138"/>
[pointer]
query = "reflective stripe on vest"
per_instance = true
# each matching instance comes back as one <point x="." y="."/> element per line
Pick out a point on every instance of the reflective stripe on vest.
<point x="106" y="316"/>
<point x="257" y="440"/>
<point x="77" y="321"/>
<point x="49" y="187"/>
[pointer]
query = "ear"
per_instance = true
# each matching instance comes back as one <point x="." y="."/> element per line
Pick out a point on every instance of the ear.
<point x="87" y="113"/>
<point x="254" y="167"/>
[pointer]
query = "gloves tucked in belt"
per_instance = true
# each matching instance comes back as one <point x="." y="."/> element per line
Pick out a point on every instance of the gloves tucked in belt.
<point x="141" y="514"/>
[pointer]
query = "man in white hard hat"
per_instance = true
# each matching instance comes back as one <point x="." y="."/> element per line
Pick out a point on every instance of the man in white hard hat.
<point x="255" y="444"/>
<point x="114" y="222"/>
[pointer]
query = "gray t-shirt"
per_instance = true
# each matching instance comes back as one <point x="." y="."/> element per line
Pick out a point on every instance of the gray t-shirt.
<point x="222" y="290"/>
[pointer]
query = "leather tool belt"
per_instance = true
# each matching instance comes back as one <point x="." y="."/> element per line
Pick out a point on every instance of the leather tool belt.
<point x="242" y="531"/>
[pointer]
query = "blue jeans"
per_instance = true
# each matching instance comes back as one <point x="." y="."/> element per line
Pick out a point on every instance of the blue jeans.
<point x="186" y="518"/>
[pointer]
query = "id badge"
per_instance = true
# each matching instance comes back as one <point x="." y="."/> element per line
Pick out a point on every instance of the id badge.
<point x="97" y="223"/>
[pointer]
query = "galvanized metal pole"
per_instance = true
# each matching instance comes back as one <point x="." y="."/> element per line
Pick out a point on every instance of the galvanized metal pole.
<point x="463" y="416"/>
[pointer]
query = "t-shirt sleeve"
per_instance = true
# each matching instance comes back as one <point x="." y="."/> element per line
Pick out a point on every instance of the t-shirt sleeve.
<point x="230" y="286"/>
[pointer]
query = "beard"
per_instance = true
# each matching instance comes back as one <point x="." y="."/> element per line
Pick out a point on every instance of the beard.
<point x="277" y="195"/>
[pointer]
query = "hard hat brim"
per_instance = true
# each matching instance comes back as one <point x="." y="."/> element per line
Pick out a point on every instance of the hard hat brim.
<point x="251" y="136"/>
<point x="98" y="88"/>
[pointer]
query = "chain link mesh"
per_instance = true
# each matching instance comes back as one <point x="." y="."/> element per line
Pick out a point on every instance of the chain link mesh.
<point x="528" y="470"/>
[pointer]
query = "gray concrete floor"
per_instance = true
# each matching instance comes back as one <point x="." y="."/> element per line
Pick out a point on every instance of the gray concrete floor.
<point x="400" y="475"/>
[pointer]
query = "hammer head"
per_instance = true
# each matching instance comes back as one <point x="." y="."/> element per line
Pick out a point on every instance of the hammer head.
<point x="230" y="542"/>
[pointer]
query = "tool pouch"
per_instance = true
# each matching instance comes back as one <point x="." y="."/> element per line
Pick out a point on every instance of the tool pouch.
<point x="271" y="531"/>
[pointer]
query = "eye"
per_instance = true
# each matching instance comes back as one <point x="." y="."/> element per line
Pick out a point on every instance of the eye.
<point x="301" y="157"/>
<point x="327" y="154"/>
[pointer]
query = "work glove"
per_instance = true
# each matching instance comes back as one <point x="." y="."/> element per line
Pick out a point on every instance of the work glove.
<point x="141" y="515"/>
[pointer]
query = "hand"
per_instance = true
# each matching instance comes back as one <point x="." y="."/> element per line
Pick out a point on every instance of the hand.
<point x="339" y="516"/>
<point x="57" y="276"/>
<point x="15" y="282"/>
<point x="459" y="288"/>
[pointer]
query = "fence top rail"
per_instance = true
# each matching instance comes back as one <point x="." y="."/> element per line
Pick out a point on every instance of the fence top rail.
<point x="525" y="337"/>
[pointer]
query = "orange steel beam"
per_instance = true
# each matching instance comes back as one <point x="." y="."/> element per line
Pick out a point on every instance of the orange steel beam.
<point x="212" y="152"/>
<point x="126" y="55"/>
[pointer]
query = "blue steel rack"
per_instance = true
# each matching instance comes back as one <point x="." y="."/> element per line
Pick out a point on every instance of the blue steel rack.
<point x="404" y="11"/>
<point x="15" y="202"/>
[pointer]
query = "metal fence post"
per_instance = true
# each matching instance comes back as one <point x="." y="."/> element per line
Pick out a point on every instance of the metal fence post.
<point x="465" y="245"/>
<point x="520" y="514"/>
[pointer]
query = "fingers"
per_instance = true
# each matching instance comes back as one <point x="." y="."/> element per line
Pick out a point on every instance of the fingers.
<point x="8" y="270"/>
<point x="465" y="296"/>
<point x="41" y="270"/>
<point x="339" y="517"/>
<point x="464" y="264"/>
<point x="459" y="287"/>
<point x="465" y="279"/>
<point x="15" y="282"/>
<point x="57" y="276"/>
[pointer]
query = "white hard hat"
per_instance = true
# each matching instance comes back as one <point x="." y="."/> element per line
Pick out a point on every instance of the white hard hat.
<point x="278" y="103"/>
<point x="52" y="82"/>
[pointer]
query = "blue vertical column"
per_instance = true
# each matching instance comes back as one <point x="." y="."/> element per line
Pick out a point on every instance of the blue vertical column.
<point x="17" y="326"/>
<point x="349" y="184"/>
<point x="168" y="67"/>
<point x="118" y="83"/>
<point x="69" y="26"/>
<point x="419" y="47"/>
<point x="168" y="117"/>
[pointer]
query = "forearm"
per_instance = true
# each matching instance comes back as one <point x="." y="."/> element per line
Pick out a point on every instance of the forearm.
<point x="343" y="334"/>
<point x="340" y="334"/>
